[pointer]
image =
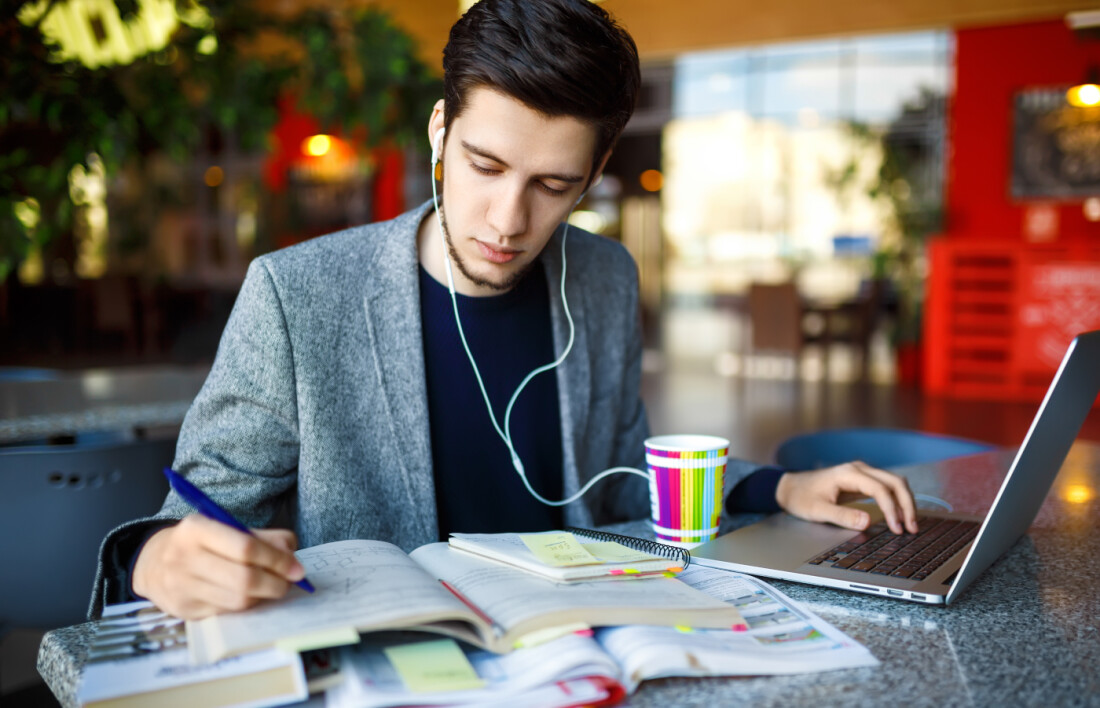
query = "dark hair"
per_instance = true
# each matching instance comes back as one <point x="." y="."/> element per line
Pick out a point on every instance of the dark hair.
<point x="558" y="57"/>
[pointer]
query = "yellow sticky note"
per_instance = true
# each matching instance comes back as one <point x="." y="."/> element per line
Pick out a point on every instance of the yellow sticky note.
<point x="557" y="549"/>
<point x="319" y="640"/>
<point x="612" y="552"/>
<point x="439" y="665"/>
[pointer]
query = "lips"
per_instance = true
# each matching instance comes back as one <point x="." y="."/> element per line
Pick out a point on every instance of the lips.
<point x="496" y="255"/>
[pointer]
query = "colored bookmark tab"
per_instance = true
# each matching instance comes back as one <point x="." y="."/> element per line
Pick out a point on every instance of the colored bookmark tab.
<point x="558" y="549"/>
<point x="612" y="552"/>
<point x="428" y="667"/>
<point x="541" y="636"/>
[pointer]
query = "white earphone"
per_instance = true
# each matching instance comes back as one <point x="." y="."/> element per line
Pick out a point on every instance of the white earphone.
<point x="437" y="145"/>
<point x="504" y="433"/>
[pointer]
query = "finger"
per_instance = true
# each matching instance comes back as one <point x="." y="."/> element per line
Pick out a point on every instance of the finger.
<point x="233" y="586"/>
<point x="282" y="539"/>
<point x="899" y="486"/>
<point x="250" y="549"/>
<point x="867" y="484"/>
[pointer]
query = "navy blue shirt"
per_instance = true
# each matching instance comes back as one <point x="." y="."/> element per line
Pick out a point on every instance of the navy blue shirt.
<point x="476" y="488"/>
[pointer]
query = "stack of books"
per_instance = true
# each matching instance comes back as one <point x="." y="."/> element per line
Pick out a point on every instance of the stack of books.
<point x="488" y="619"/>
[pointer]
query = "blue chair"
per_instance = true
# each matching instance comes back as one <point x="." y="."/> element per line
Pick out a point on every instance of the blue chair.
<point x="879" y="447"/>
<point x="57" y="502"/>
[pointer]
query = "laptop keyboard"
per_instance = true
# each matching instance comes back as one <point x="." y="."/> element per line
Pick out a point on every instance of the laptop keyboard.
<point x="915" y="556"/>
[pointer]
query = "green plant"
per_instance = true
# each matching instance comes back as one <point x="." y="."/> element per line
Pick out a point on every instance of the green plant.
<point x="909" y="184"/>
<point x="223" y="72"/>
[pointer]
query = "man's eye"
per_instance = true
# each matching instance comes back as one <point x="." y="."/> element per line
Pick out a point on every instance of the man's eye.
<point x="483" y="170"/>
<point x="551" y="190"/>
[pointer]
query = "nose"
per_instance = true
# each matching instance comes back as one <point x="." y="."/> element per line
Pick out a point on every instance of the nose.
<point x="508" y="211"/>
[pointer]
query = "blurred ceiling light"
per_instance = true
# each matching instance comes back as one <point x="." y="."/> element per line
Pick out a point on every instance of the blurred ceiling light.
<point x="1084" y="95"/>
<point x="317" y="145"/>
<point x="651" y="180"/>
<point x="1078" y="494"/>
<point x="213" y="176"/>
<point x="93" y="33"/>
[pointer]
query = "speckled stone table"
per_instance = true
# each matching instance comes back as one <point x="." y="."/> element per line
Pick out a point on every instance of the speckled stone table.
<point x="98" y="400"/>
<point x="1026" y="633"/>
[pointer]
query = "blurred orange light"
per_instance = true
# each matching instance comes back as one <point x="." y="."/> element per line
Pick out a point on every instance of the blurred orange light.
<point x="1078" y="494"/>
<point x="213" y="176"/>
<point x="1084" y="95"/>
<point x="317" y="145"/>
<point x="651" y="180"/>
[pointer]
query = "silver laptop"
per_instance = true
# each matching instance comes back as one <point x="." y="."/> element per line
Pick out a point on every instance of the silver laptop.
<point x="958" y="547"/>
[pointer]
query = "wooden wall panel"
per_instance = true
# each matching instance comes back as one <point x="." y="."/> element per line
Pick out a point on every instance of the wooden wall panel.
<point x="664" y="28"/>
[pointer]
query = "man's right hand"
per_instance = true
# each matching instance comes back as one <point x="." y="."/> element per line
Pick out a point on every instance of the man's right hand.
<point x="200" y="567"/>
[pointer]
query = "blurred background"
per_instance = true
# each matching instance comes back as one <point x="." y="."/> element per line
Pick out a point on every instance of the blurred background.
<point x="869" y="213"/>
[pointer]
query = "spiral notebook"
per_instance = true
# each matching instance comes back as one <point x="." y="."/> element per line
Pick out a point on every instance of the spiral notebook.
<point x="576" y="555"/>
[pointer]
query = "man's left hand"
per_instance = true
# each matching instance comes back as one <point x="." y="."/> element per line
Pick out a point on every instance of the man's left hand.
<point x="816" y="496"/>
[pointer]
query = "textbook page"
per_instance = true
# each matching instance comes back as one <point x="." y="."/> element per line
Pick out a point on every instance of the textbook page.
<point x="521" y="603"/>
<point x="372" y="681"/>
<point x="783" y="638"/>
<point x="359" y="584"/>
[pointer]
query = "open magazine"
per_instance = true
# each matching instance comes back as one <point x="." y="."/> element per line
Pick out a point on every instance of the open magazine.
<point x="784" y="638"/>
<point x="138" y="656"/>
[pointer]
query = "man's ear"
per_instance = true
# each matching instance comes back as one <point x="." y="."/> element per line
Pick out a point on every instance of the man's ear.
<point x="599" y="168"/>
<point x="435" y="122"/>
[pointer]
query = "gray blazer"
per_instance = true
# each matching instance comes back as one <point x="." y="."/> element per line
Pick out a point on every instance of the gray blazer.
<point x="315" y="410"/>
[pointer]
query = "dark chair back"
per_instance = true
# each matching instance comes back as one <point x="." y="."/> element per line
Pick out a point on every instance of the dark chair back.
<point x="879" y="447"/>
<point x="57" y="503"/>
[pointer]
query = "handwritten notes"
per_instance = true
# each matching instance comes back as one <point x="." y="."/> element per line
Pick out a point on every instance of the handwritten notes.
<point x="427" y="667"/>
<point x="557" y="549"/>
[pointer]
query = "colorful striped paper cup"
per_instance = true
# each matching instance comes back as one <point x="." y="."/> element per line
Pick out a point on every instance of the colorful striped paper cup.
<point x="686" y="474"/>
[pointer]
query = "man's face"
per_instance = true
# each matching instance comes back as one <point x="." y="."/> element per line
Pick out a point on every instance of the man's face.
<point x="510" y="176"/>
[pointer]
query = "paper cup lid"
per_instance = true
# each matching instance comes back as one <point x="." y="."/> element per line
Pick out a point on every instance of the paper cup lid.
<point x="686" y="443"/>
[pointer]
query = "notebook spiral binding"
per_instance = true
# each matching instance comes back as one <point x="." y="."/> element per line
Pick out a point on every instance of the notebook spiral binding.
<point x="638" y="544"/>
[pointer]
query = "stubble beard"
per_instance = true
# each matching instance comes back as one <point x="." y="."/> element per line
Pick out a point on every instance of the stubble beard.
<point x="500" y="286"/>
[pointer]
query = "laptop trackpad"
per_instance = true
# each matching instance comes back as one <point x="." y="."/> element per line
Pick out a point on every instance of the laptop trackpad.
<point x="780" y="541"/>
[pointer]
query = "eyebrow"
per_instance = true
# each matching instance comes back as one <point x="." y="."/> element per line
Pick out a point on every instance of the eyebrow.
<point x="570" y="179"/>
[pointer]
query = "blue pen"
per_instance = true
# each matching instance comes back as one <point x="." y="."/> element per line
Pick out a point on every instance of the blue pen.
<point x="209" y="508"/>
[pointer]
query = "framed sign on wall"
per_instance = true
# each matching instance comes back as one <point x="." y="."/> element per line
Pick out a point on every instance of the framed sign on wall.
<point x="1055" y="147"/>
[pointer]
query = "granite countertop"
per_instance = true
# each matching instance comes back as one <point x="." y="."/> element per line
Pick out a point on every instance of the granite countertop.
<point x="97" y="400"/>
<point x="1026" y="633"/>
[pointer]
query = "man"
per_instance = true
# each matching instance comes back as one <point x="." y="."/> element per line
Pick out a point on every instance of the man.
<point x="343" y="395"/>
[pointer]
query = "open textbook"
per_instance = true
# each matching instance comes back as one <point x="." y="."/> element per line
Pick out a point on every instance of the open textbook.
<point x="373" y="585"/>
<point x="785" y="638"/>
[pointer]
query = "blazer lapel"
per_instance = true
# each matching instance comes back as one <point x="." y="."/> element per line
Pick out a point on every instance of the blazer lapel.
<point x="575" y="374"/>
<point x="392" y="310"/>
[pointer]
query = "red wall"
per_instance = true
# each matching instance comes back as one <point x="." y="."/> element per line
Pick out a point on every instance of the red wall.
<point x="992" y="63"/>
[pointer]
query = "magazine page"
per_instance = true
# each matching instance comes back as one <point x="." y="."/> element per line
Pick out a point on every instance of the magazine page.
<point x="783" y="638"/>
<point x="371" y="680"/>
<point x="139" y="653"/>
